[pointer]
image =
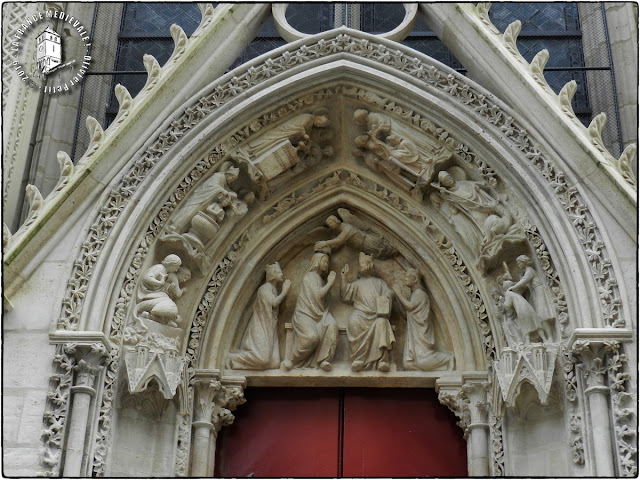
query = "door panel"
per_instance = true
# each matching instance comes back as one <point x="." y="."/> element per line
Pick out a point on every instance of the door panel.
<point x="325" y="432"/>
<point x="282" y="432"/>
<point x="400" y="433"/>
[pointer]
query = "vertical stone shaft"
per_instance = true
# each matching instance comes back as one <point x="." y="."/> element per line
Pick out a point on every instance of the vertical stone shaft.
<point x="82" y="395"/>
<point x="478" y="450"/>
<point x="88" y="360"/>
<point x="201" y="449"/>
<point x="601" y="430"/>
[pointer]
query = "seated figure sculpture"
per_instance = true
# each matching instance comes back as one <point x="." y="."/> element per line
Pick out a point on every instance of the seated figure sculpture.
<point x="368" y="329"/>
<point x="316" y="331"/>
<point x="204" y="210"/>
<point x="158" y="289"/>
<point x="260" y="348"/>
<point x="419" y="352"/>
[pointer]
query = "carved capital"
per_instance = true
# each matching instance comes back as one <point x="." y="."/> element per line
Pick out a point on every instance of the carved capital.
<point x="228" y="399"/>
<point x="205" y="391"/>
<point x="474" y="400"/>
<point x="592" y="348"/>
<point x="467" y="398"/>
<point x="88" y="363"/>
<point x="449" y="396"/>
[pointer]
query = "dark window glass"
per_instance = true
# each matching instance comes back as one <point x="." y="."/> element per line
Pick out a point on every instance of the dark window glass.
<point x="381" y="17"/>
<point x="156" y="18"/>
<point x="310" y="17"/>
<point x="545" y="18"/>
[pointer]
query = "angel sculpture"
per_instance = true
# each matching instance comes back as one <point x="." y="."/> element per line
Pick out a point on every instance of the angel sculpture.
<point x="357" y="234"/>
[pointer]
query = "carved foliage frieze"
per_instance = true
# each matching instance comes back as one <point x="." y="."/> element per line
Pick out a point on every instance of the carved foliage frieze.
<point x="119" y="197"/>
<point x="624" y="407"/>
<point x="575" y="408"/>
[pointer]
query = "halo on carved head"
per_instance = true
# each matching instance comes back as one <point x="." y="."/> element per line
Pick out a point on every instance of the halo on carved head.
<point x="273" y="271"/>
<point x="524" y="259"/>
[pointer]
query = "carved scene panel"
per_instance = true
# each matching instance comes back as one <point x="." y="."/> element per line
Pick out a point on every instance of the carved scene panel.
<point x="342" y="297"/>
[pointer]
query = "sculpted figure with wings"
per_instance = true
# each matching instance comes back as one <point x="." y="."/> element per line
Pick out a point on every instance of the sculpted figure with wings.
<point x="355" y="233"/>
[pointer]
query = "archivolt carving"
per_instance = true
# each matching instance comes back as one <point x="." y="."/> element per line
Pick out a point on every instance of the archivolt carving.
<point x="568" y="196"/>
<point x="398" y="60"/>
<point x="624" y="408"/>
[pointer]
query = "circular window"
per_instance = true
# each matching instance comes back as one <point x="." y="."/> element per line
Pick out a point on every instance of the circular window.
<point x="393" y="21"/>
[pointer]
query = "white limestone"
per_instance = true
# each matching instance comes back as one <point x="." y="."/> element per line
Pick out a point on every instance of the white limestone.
<point x="274" y="153"/>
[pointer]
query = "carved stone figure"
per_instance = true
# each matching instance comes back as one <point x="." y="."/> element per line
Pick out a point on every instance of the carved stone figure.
<point x="519" y="311"/>
<point x="384" y="150"/>
<point x="296" y="130"/>
<point x="511" y="330"/>
<point x="209" y="201"/>
<point x="368" y="328"/>
<point x="313" y="156"/>
<point x="316" y="331"/>
<point x="539" y="296"/>
<point x="282" y="147"/>
<point x="378" y="125"/>
<point x="419" y="352"/>
<point x="355" y="233"/>
<point x="158" y="288"/>
<point x="481" y="210"/>
<point x="260" y="348"/>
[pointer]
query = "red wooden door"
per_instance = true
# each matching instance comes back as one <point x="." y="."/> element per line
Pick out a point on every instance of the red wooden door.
<point x="400" y="433"/>
<point x="314" y="432"/>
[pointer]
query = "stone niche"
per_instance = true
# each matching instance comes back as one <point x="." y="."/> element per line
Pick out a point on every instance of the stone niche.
<point x="390" y="266"/>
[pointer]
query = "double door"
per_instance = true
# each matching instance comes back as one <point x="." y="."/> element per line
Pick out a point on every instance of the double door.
<point x="341" y="432"/>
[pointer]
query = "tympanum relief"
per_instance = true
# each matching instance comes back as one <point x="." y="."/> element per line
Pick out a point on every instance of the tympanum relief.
<point x="375" y="315"/>
<point x="260" y="347"/>
<point x="299" y="142"/>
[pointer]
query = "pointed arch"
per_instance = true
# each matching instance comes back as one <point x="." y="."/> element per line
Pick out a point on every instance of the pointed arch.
<point x="493" y="141"/>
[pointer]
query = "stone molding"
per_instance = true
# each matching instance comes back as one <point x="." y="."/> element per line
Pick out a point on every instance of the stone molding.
<point x="599" y="354"/>
<point x="84" y="356"/>
<point x="567" y="195"/>
<point x="528" y="81"/>
<point x="342" y="43"/>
